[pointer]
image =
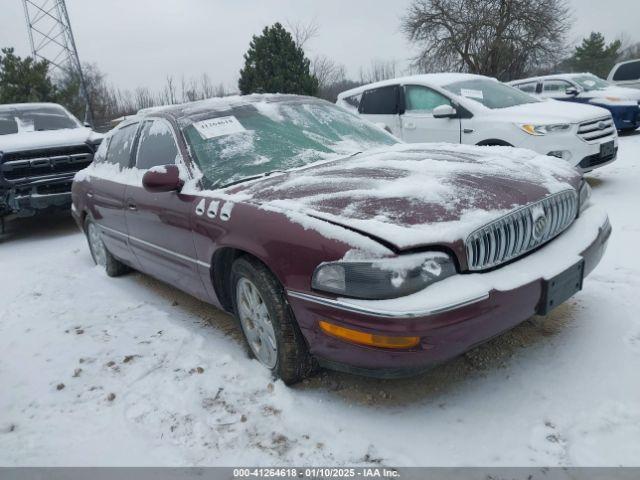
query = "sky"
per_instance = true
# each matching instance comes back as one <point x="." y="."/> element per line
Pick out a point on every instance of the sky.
<point x="141" y="42"/>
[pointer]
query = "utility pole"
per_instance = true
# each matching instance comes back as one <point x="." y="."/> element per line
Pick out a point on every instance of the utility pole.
<point x="51" y="39"/>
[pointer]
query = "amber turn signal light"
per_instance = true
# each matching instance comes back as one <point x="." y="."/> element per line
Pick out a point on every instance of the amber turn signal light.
<point x="363" y="338"/>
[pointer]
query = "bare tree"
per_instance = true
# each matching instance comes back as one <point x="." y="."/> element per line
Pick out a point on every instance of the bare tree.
<point x="303" y="32"/>
<point x="500" y="38"/>
<point x="378" y="70"/>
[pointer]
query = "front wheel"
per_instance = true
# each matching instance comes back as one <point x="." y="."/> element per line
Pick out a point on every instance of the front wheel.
<point x="268" y="324"/>
<point x="99" y="252"/>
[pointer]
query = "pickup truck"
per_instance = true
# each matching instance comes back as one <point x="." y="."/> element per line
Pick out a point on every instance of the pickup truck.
<point x="42" y="146"/>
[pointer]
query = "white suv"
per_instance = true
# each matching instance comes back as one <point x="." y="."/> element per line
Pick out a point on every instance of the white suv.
<point x="477" y="110"/>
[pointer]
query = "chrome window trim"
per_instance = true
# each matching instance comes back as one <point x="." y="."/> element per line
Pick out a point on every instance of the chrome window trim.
<point x="352" y="308"/>
<point x="157" y="247"/>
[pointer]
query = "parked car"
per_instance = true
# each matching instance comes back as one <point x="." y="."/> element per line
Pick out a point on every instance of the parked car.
<point x="42" y="146"/>
<point x="626" y="74"/>
<point x="477" y="110"/>
<point x="332" y="242"/>
<point x="623" y="103"/>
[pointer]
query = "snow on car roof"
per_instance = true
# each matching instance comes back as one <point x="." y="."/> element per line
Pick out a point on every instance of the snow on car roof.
<point x="437" y="79"/>
<point x="27" y="106"/>
<point x="223" y="104"/>
<point x="559" y="76"/>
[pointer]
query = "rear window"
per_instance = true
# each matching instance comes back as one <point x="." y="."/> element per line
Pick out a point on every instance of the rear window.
<point x="381" y="101"/>
<point x="35" y="119"/>
<point x="627" y="71"/>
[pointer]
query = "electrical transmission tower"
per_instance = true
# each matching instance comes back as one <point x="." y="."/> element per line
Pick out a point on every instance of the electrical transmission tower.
<point x="52" y="40"/>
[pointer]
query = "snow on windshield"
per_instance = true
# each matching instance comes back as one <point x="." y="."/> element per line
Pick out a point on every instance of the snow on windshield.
<point x="490" y="93"/>
<point x="257" y="138"/>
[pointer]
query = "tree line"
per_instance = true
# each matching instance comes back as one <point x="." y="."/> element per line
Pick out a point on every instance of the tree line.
<point x="506" y="39"/>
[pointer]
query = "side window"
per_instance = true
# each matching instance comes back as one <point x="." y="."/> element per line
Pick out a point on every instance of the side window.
<point x="101" y="153"/>
<point x="627" y="71"/>
<point x="423" y="99"/>
<point x="156" y="146"/>
<point x="527" y="87"/>
<point x="555" y="86"/>
<point x="120" y="144"/>
<point x="381" y="101"/>
<point x="354" y="100"/>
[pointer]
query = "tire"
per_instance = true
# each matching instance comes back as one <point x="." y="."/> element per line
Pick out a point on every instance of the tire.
<point x="99" y="252"/>
<point x="291" y="361"/>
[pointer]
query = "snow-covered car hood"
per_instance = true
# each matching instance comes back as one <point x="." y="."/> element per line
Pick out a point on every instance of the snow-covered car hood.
<point x="413" y="195"/>
<point x="47" y="139"/>
<point x="549" y="111"/>
<point x="613" y="91"/>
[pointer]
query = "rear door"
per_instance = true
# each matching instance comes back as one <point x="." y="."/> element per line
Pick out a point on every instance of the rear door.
<point x="383" y="106"/>
<point x="417" y="121"/>
<point x="159" y="222"/>
<point x="107" y="189"/>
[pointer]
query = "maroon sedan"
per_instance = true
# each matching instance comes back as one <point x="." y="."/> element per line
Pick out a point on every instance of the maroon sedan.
<point x="333" y="243"/>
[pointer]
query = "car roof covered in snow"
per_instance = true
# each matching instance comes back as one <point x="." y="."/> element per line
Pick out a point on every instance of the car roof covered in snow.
<point x="27" y="106"/>
<point x="437" y="79"/>
<point x="193" y="110"/>
<point x="555" y="76"/>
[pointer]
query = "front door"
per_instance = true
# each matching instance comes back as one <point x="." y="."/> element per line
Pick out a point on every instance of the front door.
<point x="159" y="222"/>
<point x="418" y="123"/>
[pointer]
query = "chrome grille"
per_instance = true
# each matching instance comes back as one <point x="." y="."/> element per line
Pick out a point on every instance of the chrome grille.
<point x="596" y="129"/>
<point x="521" y="231"/>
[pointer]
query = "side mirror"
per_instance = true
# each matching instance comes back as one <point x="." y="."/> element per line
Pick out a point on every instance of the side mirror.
<point x="572" y="91"/>
<point x="165" y="178"/>
<point x="444" y="111"/>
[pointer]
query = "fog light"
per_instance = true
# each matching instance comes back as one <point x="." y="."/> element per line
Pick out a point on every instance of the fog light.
<point x="563" y="154"/>
<point x="363" y="338"/>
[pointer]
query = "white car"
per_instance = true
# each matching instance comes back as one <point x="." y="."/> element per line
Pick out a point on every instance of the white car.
<point x="622" y="102"/>
<point x="626" y="74"/>
<point x="478" y="110"/>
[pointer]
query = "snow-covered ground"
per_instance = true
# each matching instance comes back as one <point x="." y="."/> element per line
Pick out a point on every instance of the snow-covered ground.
<point x="129" y="371"/>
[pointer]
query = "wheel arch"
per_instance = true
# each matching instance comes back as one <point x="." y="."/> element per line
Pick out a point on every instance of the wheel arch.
<point x="493" y="142"/>
<point x="220" y="272"/>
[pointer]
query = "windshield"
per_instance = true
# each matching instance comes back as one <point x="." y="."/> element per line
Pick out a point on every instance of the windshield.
<point x="258" y="138"/>
<point x="590" y="82"/>
<point x="490" y="93"/>
<point x="35" y="119"/>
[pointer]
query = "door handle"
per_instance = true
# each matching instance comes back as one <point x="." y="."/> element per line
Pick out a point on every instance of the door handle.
<point x="410" y="126"/>
<point x="90" y="194"/>
<point x="132" y="206"/>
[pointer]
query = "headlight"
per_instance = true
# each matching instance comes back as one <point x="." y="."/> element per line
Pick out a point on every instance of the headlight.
<point x="383" y="278"/>
<point x="539" y="130"/>
<point x="584" y="195"/>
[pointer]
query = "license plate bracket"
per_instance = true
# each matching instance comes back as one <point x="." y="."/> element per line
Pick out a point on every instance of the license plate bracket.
<point x="560" y="288"/>
<point x="607" y="149"/>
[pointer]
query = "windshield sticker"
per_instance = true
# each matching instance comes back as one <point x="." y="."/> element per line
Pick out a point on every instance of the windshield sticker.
<point x="218" y="127"/>
<point x="471" y="93"/>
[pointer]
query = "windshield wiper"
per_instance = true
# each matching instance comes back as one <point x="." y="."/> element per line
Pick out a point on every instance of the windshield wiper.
<point x="246" y="179"/>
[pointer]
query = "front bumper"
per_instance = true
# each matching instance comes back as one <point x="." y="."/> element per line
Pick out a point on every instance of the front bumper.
<point x="581" y="150"/>
<point x="37" y="197"/>
<point x="452" y="316"/>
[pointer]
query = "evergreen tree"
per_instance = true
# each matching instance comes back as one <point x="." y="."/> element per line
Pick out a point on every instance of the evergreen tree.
<point x="595" y="56"/>
<point x="24" y="80"/>
<point x="275" y="64"/>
